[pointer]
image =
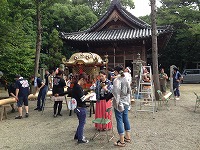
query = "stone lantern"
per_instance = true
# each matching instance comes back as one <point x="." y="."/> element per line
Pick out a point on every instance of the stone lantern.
<point x="137" y="64"/>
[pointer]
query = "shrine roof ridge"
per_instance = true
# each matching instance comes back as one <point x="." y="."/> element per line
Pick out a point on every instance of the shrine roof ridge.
<point x="116" y="4"/>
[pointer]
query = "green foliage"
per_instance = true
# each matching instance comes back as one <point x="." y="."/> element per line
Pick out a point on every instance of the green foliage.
<point x="146" y="19"/>
<point x="16" y="41"/>
<point x="68" y="18"/>
<point x="62" y="17"/>
<point x="51" y="62"/>
<point x="17" y="61"/>
<point x="183" y="47"/>
<point x="99" y="7"/>
<point x="18" y="31"/>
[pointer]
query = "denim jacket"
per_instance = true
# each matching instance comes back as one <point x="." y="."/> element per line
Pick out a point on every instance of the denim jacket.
<point x="100" y="93"/>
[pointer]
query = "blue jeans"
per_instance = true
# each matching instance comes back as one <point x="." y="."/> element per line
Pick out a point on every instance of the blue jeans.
<point x="122" y="120"/>
<point x="42" y="94"/>
<point x="176" y="89"/>
<point x="81" y="114"/>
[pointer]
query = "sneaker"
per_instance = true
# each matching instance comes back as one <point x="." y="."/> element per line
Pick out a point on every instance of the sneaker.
<point x="26" y="115"/>
<point x="36" y="108"/>
<point x="177" y="98"/>
<point x="54" y="115"/>
<point x="83" y="141"/>
<point x="59" y="114"/>
<point x="40" y="109"/>
<point x="18" y="117"/>
<point x="76" y="138"/>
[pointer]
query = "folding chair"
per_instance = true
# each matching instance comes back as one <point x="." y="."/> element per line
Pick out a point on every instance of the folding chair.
<point x="104" y="121"/>
<point x="160" y="97"/>
<point x="165" y="99"/>
<point x="197" y="104"/>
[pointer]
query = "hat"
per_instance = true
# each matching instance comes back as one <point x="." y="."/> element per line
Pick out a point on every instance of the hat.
<point x="17" y="76"/>
<point x="129" y="69"/>
<point x="175" y="68"/>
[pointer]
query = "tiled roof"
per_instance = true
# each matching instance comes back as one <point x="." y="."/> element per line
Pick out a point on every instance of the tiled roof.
<point x="112" y="35"/>
<point x="139" y="29"/>
<point x="115" y="4"/>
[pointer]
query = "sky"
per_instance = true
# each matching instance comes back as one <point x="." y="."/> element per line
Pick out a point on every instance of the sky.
<point x="142" y="7"/>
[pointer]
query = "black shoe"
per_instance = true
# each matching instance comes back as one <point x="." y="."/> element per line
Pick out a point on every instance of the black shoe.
<point x="75" y="137"/>
<point x="83" y="141"/>
<point x="13" y="110"/>
<point x="18" y="117"/>
<point x="59" y="114"/>
<point x="54" y="115"/>
<point x="36" y="108"/>
<point x="26" y="115"/>
<point x="40" y="109"/>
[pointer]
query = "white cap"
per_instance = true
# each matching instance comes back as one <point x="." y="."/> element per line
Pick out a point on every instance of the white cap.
<point x="129" y="70"/>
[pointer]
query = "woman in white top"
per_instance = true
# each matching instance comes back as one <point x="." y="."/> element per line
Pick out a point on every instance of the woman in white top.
<point x="121" y="102"/>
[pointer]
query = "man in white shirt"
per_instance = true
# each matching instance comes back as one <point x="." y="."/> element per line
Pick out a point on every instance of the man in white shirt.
<point x="127" y="73"/>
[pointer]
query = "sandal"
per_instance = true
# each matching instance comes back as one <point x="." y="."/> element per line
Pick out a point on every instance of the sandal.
<point x="127" y="140"/>
<point x="118" y="143"/>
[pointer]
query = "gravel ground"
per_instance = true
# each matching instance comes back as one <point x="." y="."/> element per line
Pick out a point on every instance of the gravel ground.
<point x="174" y="129"/>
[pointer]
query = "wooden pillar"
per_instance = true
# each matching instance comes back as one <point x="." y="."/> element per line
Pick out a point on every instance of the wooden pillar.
<point x="144" y="54"/>
<point x="115" y="49"/>
<point x="124" y="58"/>
<point x="114" y="56"/>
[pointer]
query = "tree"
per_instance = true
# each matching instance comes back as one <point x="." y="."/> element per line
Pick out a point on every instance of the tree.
<point x="63" y="17"/>
<point x="54" y="55"/>
<point x="99" y="7"/>
<point x="40" y="6"/>
<point x="38" y="38"/>
<point x="184" y="16"/>
<point x="16" y="51"/>
<point x="154" y="46"/>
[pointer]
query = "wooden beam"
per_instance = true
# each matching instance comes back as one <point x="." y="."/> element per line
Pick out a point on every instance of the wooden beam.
<point x="12" y="99"/>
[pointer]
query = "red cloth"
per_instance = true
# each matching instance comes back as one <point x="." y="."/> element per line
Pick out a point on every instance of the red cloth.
<point x="100" y="112"/>
<point x="80" y="69"/>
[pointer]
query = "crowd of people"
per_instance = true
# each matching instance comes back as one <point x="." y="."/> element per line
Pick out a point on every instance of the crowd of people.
<point x="112" y="89"/>
<point x="103" y="87"/>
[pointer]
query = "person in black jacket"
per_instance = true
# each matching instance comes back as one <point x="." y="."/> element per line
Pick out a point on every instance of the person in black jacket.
<point x="78" y="94"/>
<point x="58" y="90"/>
<point x="42" y="89"/>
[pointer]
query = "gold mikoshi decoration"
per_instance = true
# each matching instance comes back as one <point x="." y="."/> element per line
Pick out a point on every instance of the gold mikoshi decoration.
<point x="84" y="58"/>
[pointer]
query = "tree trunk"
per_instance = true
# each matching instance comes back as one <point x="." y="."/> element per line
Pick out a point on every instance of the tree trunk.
<point x="39" y="38"/>
<point x="154" y="47"/>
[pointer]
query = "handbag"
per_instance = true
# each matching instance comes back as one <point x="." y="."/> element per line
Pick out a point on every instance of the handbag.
<point x="109" y="96"/>
<point x="58" y="98"/>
